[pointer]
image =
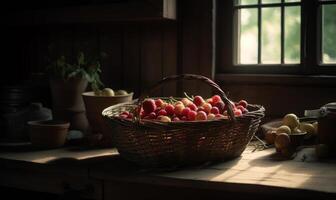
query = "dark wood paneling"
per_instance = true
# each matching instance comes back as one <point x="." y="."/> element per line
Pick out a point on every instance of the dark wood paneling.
<point x="151" y="56"/>
<point x="169" y="58"/>
<point x="196" y="43"/>
<point x="111" y="44"/>
<point x="138" y="53"/>
<point x="131" y="59"/>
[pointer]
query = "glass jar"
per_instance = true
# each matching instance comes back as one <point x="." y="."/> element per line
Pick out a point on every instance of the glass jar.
<point x="327" y="129"/>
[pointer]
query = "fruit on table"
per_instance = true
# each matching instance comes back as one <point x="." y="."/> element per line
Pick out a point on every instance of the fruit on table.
<point x="282" y="141"/>
<point x="187" y="109"/>
<point x="270" y="136"/>
<point x="290" y="120"/>
<point x="283" y="129"/>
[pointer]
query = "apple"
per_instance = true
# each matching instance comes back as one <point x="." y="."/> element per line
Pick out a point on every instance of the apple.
<point x="159" y="102"/>
<point x="201" y="115"/>
<point x="149" y="105"/>
<point x="243" y="103"/>
<point x="192" y="115"/>
<point x="216" y="99"/>
<point x="164" y="118"/>
<point x="211" y="116"/>
<point x="170" y="109"/>
<point x="107" y="92"/>
<point x="192" y="106"/>
<point x="198" y="101"/>
<point x="121" y="92"/>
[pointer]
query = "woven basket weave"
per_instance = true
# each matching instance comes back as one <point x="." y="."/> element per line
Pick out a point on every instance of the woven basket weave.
<point x="163" y="144"/>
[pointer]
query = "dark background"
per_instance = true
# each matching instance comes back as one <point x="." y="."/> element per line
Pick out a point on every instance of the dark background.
<point x="141" y="49"/>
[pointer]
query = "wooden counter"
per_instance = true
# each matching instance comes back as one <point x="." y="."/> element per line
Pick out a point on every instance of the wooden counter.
<point x="102" y="174"/>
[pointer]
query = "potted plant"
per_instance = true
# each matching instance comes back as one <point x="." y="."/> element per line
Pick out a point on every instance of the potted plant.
<point x="67" y="82"/>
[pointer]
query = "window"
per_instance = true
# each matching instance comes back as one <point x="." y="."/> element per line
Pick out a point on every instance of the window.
<point x="276" y="36"/>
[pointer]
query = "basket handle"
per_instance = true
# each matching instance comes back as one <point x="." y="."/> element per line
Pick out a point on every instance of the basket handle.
<point x="188" y="77"/>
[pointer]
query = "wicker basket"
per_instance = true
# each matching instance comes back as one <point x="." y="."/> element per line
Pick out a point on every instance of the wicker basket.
<point x="167" y="144"/>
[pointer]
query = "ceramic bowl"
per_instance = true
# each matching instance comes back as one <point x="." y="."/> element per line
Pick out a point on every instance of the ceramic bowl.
<point x="94" y="106"/>
<point x="48" y="133"/>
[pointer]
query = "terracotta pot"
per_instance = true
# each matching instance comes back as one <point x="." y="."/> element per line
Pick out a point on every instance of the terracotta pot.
<point x="48" y="133"/>
<point x="94" y="107"/>
<point x="67" y="102"/>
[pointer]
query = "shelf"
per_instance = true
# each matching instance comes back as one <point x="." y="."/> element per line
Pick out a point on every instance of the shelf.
<point x="123" y="10"/>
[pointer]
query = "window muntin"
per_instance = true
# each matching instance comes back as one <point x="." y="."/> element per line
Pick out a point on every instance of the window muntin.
<point x="278" y="39"/>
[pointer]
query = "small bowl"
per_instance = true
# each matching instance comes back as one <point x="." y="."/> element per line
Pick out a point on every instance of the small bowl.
<point x="48" y="133"/>
<point x="297" y="138"/>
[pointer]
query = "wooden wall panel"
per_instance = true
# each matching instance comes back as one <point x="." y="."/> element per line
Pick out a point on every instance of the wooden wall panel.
<point x="196" y="43"/>
<point x="151" y="56"/>
<point x="131" y="59"/>
<point x="110" y="45"/>
<point x="169" y="57"/>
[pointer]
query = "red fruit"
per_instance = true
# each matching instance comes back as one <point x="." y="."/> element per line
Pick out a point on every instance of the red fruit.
<point x="201" y="115"/>
<point x="210" y="101"/>
<point x="159" y="102"/>
<point x="243" y="103"/>
<point x="214" y="110"/>
<point x="176" y="119"/>
<point x="198" y="101"/>
<point x="192" y="106"/>
<point x="186" y="101"/>
<point x="170" y="109"/>
<point x="201" y="108"/>
<point x="185" y="111"/>
<point x="184" y="118"/>
<point x="220" y="105"/>
<point x="192" y="115"/>
<point x="162" y="112"/>
<point x="178" y="109"/>
<point x="216" y="99"/>
<point x="125" y="113"/>
<point x="149" y="105"/>
<point x="123" y="116"/>
<point x="240" y="107"/>
<point x="211" y="116"/>
<point x="238" y="113"/>
<point x="130" y="116"/>
<point x="142" y="114"/>
<point x="151" y="115"/>
<point x="207" y="107"/>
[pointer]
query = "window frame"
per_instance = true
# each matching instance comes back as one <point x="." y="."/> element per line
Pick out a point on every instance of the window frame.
<point x="310" y="43"/>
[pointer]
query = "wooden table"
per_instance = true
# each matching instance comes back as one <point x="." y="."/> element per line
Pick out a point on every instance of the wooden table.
<point x="102" y="174"/>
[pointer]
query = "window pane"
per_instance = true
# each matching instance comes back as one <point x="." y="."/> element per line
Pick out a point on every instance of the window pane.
<point x="292" y="34"/>
<point x="270" y="1"/>
<point x="270" y="36"/>
<point x="328" y="34"/>
<point x="248" y="36"/>
<point x="246" y="2"/>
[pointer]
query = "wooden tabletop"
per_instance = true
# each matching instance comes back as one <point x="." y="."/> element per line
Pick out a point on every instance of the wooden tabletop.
<point x="258" y="170"/>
